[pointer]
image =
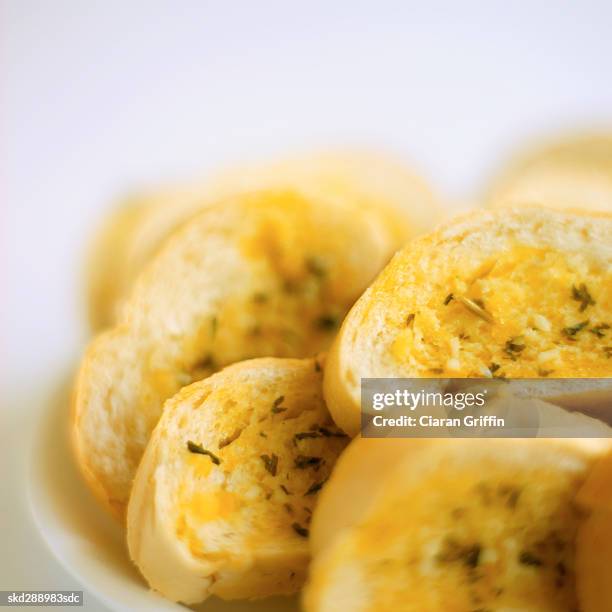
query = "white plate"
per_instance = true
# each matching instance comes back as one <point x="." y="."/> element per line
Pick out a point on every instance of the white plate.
<point x="87" y="541"/>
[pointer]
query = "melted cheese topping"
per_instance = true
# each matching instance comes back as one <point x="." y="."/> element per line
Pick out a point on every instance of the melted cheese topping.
<point x="525" y="313"/>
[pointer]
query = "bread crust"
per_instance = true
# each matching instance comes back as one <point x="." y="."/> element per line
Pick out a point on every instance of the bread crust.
<point x="418" y="271"/>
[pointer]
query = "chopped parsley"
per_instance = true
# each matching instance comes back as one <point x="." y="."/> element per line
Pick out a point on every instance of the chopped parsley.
<point x="581" y="294"/>
<point x="301" y="531"/>
<point x="514" y="347"/>
<point x="315" y="488"/>
<point x="571" y="331"/>
<point x="197" y="449"/>
<point x="276" y="405"/>
<point x="270" y="463"/>
<point x="599" y="330"/>
<point x="305" y="461"/>
<point x="527" y="558"/>
<point x="327" y="322"/>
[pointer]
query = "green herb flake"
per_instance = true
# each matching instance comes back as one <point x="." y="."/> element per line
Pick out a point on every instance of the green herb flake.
<point x="571" y="331"/>
<point x="207" y="362"/>
<point x="448" y="299"/>
<point x="276" y="405"/>
<point x="327" y="322"/>
<point x="514" y="347"/>
<point x="316" y="267"/>
<point x="315" y="488"/>
<point x="581" y="294"/>
<point x="193" y="447"/>
<point x="304" y="461"/>
<point x="599" y="330"/>
<point x="327" y="433"/>
<point x="467" y="555"/>
<point x="301" y="531"/>
<point x="270" y="463"/>
<point x="303" y="435"/>
<point x="527" y="558"/>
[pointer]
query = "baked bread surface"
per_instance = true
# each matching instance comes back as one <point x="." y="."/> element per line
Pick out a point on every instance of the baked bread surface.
<point x="223" y="497"/>
<point x="262" y="274"/>
<point x="519" y="293"/>
<point x="456" y="526"/>
<point x="138" y="229"/>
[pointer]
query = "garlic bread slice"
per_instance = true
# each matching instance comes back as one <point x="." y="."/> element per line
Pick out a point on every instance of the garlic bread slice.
<point x="262" y="274"/>
<point x="456" y="526"/>
<point x="222" y="499"/>
<point x="520" y="293"/>
<point x="360" y="178"/>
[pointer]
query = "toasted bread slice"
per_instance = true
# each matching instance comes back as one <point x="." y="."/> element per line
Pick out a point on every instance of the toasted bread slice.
<point x="524" y="292"/>
<point x="266" y="274"/>
<point x="441" y="534"/>
<point x="374" y="458"/>
<point x="574" y="172"/>
<point x="222" y="499"/>
<point x="364" y="179"/>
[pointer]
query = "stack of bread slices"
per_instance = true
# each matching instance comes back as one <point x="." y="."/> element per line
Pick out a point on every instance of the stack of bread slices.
<point x="217" y="410"/>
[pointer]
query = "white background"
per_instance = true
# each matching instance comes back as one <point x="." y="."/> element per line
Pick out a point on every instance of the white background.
<point x="99" y="96"/>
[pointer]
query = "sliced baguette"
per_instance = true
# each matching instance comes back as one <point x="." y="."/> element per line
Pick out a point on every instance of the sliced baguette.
<point x="440" y="533"/>
<point x="572" y="172"/>
<point x="266" y="274"/>
<point x="233" y="523"/>
<point x="374" y="458"/>
<point x="543" y="280"/>
<point x="362" y="179"/>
